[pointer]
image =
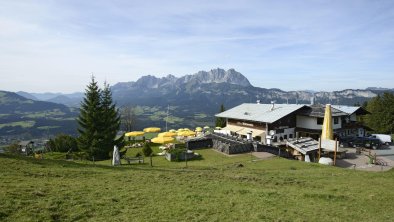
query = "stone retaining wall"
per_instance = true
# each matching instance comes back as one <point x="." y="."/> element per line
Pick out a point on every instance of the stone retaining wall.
<point x="199" y="143"/>
<point x="229" y="148"/>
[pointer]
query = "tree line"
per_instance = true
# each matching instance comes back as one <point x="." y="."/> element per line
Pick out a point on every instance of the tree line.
<point x="381" y="119"/>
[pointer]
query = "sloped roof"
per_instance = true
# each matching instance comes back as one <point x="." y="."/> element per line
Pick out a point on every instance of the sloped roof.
<point x="260" y="112"/>
<point x="25" y="143"/>
<point x="319" y="110"/>
<point x="351" y="109"/>
<point x="303" y="145"/>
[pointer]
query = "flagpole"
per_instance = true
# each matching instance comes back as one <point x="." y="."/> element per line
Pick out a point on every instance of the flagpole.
<point x="319" y="149"/>
<point x="335" y="151"/>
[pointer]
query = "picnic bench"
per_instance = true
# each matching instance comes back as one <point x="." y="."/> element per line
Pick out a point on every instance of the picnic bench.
<point x="139" y="159"/>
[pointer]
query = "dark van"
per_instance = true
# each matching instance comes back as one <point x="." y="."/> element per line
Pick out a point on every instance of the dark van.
<point x="366" y="142"/>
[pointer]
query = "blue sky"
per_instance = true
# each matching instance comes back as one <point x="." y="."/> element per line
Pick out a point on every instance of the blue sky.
<point x="55" y="46"/>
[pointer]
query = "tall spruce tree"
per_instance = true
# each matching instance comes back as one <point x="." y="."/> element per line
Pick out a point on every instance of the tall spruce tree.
<point x="111" y="121"/>
<point x="89" y="120"/>
<point x="99" y="122"/>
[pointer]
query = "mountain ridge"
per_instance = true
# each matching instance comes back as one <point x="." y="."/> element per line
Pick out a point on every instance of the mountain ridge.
<point x="194" y="99"/>
<point x="157" y="86"/>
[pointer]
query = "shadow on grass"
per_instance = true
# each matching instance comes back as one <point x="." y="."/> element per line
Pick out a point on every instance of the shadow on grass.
<point x="63" y="163"/>
<point x="90" y="165"/>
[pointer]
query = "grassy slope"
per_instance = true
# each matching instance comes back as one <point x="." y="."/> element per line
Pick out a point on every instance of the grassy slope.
<point x="213" y="189"/>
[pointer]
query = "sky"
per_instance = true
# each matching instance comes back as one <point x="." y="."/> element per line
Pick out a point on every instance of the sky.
<point x="57" y="45"/>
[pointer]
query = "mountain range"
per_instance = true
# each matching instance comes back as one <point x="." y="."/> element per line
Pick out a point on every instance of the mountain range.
<point x="217" y="83"/>
<point x="71" y="99"/>
<point x="26" y="118"/>
<point x="193" y="100"/>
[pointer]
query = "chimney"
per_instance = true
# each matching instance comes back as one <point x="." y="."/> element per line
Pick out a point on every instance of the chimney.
<point x="258" y="101"/>
<point x="312" y="100"/>
<point x="273" y="105"/>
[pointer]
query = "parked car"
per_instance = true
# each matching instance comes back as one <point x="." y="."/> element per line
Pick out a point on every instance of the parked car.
<point x="366" y="142"/>
<point x="345" y="140"/>
<point x="386" y="139"/>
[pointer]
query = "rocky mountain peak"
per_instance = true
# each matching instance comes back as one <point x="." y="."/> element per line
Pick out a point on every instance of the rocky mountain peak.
<point x="149" y="81"/>
<point x="217" y="76"/>
<point x="202" y="77"/>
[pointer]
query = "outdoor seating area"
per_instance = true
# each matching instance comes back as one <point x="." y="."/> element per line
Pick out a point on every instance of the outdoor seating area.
<point x="129" y="160"/>
<point x="172" y="143"/>
<point x="135" y="145"/>
<point x="165" y="148"/>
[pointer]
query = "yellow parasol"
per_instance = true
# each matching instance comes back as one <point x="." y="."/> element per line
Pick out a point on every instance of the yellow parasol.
<point x="186" y="133"/>
<point x="206" y="127"/>
<point x="167" y="134"/>
<point x="152" y="130"/>
<point x="172" y="131"/>
<point x="327" y="131"/>
<point x="162" y="140"/>
<point x="134" y="133"/>
<point x="198" y="129"/>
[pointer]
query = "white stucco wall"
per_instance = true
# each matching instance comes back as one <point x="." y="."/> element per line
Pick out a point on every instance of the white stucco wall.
<point x="339" y="125"/>
<point x="308" y="122"/>
<point x="286" y="132"/>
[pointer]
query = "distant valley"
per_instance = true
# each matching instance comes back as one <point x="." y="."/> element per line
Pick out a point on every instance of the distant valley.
<point x="26" y="118"/>
<point x="192" y="100"/>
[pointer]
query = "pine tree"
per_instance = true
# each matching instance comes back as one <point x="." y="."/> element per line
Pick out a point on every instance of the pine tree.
<point x="111" y="121"/>
<point x="89" y="120"/>
<point x="221" y="122"/>
<point x="99" y="122"/>
<point x="381" y="118"/>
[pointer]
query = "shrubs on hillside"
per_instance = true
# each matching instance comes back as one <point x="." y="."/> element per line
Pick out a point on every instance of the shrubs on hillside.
<point x="147" y="150"/>
<point x="63" y="143"/>
<point x="12" y="148"/>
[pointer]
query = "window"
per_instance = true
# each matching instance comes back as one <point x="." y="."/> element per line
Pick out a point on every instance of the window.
<point x="285" y="137"/>
<point x="290" y="136"/>
<point x="319" y="121"/>
<point x="280" y="131"/>
<point x="336" y="120"/>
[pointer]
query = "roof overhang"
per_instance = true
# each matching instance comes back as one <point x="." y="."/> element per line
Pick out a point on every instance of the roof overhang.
<point x="244" y="130"/>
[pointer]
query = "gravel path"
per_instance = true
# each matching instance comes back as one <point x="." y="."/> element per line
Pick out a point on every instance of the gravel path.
<point x="360" y="161"/>
<point x="352" y="161"/>
<point x="263" y="155"/>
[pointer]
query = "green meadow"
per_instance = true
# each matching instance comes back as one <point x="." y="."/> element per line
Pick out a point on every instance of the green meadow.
<point x="23" y="124"/>
<point x="214" y="188"/>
